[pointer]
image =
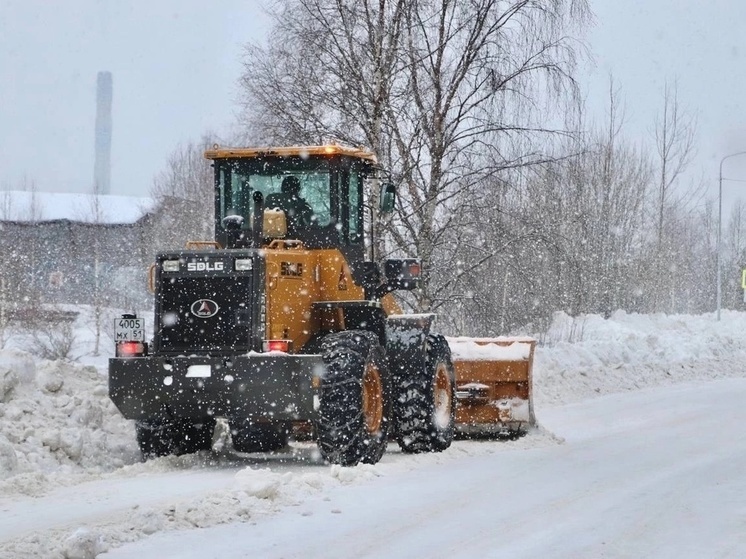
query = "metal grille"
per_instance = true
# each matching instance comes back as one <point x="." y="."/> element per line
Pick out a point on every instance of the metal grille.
<point x="180" y="329"/>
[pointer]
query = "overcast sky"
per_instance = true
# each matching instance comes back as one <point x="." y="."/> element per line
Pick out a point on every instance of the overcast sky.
<point x="175" y="64"/>
<point x="701" y="45"/>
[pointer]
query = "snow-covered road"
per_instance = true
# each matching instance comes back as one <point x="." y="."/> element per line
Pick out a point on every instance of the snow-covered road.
<point x="656" y="473"/>
<point x="103" y="501"/>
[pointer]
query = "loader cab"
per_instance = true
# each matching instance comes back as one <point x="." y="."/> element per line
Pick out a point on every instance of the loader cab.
<point x="331" y="180"/>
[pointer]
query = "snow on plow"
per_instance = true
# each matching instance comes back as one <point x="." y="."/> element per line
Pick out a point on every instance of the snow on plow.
<point x="494" y="393"/>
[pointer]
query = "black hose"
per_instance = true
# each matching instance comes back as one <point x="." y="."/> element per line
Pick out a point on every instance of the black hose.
<point x="258" y="227"/>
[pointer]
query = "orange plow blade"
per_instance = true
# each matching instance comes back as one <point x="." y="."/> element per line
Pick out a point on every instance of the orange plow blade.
<point x="494" y="393"/>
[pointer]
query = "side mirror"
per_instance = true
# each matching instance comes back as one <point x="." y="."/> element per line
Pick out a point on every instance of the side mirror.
<point x="387" y="198"/>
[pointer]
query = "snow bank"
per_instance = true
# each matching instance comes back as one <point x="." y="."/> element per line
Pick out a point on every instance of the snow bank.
<point x="56" y="421"/>
<point x="632" y="351"/>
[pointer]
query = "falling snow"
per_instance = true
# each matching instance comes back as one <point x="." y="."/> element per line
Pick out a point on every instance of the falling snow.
<point x="618" y="407"/>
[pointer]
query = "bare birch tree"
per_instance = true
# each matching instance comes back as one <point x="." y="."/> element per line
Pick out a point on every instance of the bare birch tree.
<point x="330" y="72"/>
<point x="184" y="191"/>
<point x="674" y="144"/>
<point x="435" y="87"/>
<point x="567" y="236"/>
<point x="99" y="296"/>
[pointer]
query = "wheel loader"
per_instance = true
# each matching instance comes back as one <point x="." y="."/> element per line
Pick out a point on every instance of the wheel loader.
<point x="281" y="326"/>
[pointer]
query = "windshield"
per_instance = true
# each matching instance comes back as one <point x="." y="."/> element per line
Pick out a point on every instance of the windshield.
<point x="239" y="179"/>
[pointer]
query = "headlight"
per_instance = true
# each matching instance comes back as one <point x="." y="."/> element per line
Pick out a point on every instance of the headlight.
<point x="244" y="264"/>
<point x="170" y="265"/>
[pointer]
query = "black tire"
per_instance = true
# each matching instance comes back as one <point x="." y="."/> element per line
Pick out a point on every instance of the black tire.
<point x="425" y="402"/>
<point x="164" y="437"/>
<point x="194" y="435"/>
<point x="154" y="438"/>
<point x="258" y="437"/>
<point x="354" y="399"/>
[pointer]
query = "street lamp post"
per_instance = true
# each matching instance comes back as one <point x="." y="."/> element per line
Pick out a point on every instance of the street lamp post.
<point x="720" y="221"/>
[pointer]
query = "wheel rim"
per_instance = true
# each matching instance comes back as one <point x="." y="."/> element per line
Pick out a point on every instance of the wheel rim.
<point x="372" y="399"/>
<point x="442" y="399"/>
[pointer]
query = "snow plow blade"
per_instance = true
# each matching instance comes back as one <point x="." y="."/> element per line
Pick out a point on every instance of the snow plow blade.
<point x="494" y="392"/>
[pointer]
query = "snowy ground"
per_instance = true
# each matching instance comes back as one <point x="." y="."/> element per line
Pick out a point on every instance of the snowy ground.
<point x="640" y="454"/>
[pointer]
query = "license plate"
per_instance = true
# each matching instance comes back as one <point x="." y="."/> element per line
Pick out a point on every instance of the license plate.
<point x="129" y="330"/>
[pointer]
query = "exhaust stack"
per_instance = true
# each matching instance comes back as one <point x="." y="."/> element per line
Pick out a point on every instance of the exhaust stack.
<point x="102" y="164"/>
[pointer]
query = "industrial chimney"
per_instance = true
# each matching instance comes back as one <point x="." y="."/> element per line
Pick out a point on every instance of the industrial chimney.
<point x="102" y="164"/>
